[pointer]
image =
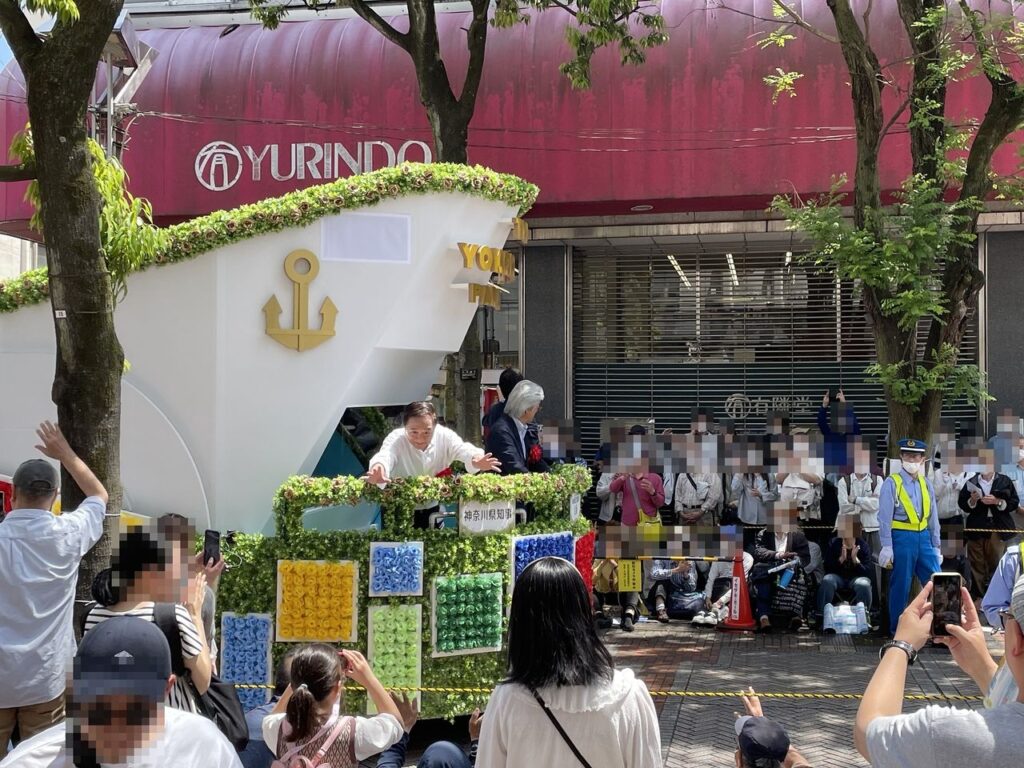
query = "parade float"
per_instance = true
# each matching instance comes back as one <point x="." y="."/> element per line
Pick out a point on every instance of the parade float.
<point x="247" y="337"/>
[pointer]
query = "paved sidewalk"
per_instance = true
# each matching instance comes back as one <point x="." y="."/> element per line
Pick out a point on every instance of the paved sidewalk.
<point x="698" y="731"/>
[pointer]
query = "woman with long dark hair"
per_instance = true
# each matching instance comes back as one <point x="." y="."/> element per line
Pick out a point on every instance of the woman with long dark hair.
<point x="143" y="579"/>
<point x="562" y="687"/>
<point x="307" y="720"/>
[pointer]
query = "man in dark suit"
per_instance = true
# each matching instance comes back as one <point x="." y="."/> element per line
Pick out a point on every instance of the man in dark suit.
<point x="513" y="439"/>
<point x="989" y="500"/>
<point x="780" y="542"/>
<point x="506" y="383"/>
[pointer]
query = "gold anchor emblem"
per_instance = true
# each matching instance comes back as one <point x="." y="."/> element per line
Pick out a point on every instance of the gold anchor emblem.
<point x="300" y="336"/>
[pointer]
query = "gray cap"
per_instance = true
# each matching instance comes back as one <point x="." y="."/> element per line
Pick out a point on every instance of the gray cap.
<point x="36" y="476"/>
<point x="1017" y="601"/>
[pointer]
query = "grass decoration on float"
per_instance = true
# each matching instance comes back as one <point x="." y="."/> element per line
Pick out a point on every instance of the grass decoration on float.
<point x="250" y="586"/>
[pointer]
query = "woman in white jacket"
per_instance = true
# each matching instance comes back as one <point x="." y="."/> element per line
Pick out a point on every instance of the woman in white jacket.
<point x="560" y="672"/>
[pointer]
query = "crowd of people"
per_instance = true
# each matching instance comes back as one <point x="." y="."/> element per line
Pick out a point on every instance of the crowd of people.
<point x="140" y="688"/>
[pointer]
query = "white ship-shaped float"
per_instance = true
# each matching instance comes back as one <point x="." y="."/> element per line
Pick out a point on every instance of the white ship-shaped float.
<point x="266" y="322"/>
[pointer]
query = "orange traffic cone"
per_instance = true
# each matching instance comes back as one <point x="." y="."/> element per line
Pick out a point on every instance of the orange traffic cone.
<point x="740" y="618"/>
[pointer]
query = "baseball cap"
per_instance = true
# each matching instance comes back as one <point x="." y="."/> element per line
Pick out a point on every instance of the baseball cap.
<point x="1017" y="601"/>
<point x="122" y="656"/>
<point x="36" y="476"/>
<point x="761" y="738"/>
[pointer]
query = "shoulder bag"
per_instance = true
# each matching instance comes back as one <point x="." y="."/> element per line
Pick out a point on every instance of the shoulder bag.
<point x="561" y="731"/>
<point x="220" y="703"/>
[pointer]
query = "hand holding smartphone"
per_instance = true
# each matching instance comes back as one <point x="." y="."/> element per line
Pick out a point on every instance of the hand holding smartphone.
<point x="211" y="547"/>
<point x="947" y="604"/>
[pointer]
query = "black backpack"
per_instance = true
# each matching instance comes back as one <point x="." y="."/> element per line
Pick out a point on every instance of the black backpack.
<point x="220" y="703"/>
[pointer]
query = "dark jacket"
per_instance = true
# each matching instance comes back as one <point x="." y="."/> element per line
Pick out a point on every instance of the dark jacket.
<point x="503" y="443"/>
<point x="395" y="757"/>
<point x="764" y="547"/>
<point x="985" y="516"/>
<point x="496" y="412"/>
<point x="847" y="569"/>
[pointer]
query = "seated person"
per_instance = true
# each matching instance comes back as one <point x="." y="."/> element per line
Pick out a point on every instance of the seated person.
<point x="671" y="589"/>
<point x="718" y="588"/>
<point x="780" y="542"/>
<point x="440" y="754"/>
<point x="847" y="565"/>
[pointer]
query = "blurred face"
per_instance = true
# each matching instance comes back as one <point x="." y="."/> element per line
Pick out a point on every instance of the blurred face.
<point x="180" y="573"/>
<point x="420" y="431"/>
<point x="846" y="526"/>
<point x="118" y="726"/>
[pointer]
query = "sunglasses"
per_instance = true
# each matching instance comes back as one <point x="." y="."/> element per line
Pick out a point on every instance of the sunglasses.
<point x="133" y="714"/>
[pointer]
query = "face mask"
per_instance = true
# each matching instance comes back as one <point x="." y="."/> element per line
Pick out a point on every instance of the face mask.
<point x="911" y="469"/>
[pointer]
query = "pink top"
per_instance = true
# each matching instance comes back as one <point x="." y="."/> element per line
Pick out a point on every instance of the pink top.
<point x="648" y="501"/>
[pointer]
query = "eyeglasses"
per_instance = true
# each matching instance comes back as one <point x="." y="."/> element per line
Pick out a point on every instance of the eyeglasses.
<point x="1005" y="614"/>
<point x="133" y="713"/>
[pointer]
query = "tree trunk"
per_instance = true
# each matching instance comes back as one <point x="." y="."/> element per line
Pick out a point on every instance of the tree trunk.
<point x="87" y="379"/>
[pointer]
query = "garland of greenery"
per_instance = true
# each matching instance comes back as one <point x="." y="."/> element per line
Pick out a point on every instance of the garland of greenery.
<point x="250" y="586"/>
<point x="297" y="209"/>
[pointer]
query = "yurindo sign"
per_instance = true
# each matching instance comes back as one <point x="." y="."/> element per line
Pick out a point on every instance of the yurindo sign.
<point x="220" y="164"/>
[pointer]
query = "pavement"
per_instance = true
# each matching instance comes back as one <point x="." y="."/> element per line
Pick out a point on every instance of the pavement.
<point x="698" y="731"/>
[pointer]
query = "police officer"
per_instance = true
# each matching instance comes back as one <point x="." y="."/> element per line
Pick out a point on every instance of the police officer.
<point x="908" y="527"/>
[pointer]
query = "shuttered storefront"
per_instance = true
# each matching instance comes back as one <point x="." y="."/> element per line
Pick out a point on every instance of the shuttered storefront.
<point x="657" y="332"/>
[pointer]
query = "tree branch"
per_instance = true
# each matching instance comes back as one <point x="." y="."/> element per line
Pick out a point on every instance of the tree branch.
<point x="20" y="172"/>
<point x="801" y="22"/>
<point x="476" y="39"/>
<point x="375" y="20"/>
<point x="19" y="33"/>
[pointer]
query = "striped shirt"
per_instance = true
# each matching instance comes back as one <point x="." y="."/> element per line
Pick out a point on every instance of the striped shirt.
<point x="180" y="696"/>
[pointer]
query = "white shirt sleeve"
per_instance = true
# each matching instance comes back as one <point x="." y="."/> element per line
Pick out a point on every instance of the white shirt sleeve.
<point x="454" y="448"/>
<point x="902" y="740"/>
<point x="492" y="749"/>
<point x="641" y="745"/>
<point x="376" y="734"/>
<point x="272" y="729"/>
<point x="84" y="526"/>
<point x="386" y="454"/>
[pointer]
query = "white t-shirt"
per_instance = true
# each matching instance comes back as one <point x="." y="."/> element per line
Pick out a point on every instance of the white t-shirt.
<point x="373" y="734"/>
<point x="188" y="741"/>
<point x="942" y="737"/>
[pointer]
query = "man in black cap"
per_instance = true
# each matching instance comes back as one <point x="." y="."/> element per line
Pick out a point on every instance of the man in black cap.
<point x="122" y="673"/>
<point x="39" y="557"/>
<point x="763" y="743"/>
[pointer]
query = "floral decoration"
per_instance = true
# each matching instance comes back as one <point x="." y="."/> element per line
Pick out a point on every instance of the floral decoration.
<point x="526" y="549"/>
<point x="467" y="613"/>
<point x="316" y="601"/>
<point x="585" y="558"/>
<point x="535" y="455"/>
<point x="396" y="644"/>
<point x="297" y="209"/>
<point x="245" y="655"/>
<point x="396" y="568"/>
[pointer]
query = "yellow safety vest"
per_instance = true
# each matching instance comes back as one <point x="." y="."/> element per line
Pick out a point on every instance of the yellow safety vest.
<point x="912" y="523"/>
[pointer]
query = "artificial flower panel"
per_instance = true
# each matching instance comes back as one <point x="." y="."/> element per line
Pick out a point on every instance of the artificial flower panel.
<point x="526" y="549"/>
<point x="317" y="601"/>
<point x="394" y="647"/>
<point x="396" y="569"/>
<point x="467" y="615"/>
<point x="245" y="655"/>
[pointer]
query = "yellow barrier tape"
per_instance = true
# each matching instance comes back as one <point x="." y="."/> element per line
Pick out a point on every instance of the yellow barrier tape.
<point x="685" y="694"/>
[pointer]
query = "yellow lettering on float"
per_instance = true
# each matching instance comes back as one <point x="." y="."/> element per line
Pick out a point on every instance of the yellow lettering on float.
<point x="485" y="295"/>
<point x="487" y="259"/>
<point x="468" y="254"/>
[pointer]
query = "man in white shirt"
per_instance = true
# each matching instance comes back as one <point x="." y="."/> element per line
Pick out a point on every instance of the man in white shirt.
<point x="118" y="717"/>
<point x="421" y="448"/>
<point x="39" y="557"/>
<point x="943" y="737"/>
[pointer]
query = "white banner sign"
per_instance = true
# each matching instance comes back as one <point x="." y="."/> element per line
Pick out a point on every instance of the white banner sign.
<point x="575" y="507"/>
<point x="477" y="517"/>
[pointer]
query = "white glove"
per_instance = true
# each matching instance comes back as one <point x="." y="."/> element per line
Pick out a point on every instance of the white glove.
<point x="885" y="557"/>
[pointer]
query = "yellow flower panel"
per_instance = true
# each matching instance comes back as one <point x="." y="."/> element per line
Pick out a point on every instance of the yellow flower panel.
<point x="316" y="601"/>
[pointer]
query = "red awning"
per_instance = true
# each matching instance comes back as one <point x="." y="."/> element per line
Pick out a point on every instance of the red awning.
<point x="253" y="114"/>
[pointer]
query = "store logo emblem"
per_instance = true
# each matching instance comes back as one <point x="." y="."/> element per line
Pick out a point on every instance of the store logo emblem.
<point x="737" y="405"/>
<point x="218" y="166"/>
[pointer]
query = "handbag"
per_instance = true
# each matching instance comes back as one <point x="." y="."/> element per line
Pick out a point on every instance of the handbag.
<point x="649" y="523"/>
<point x="791" y="598"/>
<point x="558" y="727"/>
<point x="220" y="703"/>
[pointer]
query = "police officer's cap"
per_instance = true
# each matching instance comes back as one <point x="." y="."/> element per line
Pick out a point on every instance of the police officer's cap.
<point x="910" y="445"/>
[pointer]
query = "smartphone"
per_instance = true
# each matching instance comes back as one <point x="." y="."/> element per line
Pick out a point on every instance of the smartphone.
<point x="211" y="546"/>
<point x="946" y="602"/>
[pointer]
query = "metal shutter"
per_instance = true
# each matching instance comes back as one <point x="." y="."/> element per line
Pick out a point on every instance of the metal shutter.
<point x="656" y="332"/>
